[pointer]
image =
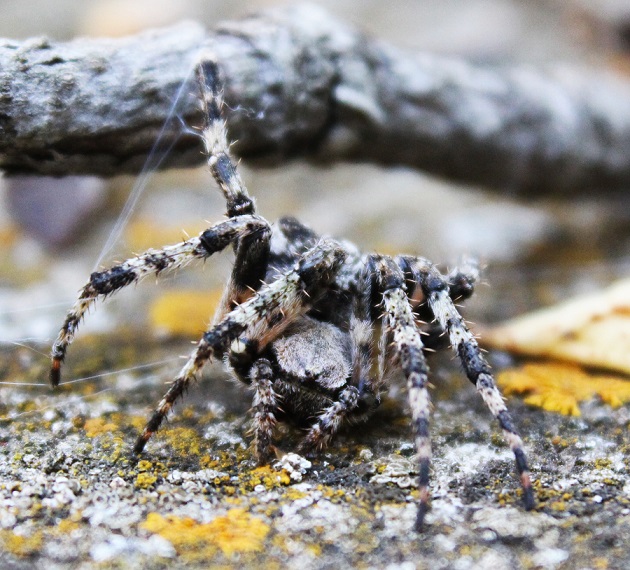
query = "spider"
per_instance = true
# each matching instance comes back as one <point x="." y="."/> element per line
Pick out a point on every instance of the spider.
<point x="298" y="317"/>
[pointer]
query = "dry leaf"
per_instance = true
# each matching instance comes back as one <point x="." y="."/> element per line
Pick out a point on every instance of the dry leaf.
<point x="592" y="330"/>
<point x="561" y="387"/>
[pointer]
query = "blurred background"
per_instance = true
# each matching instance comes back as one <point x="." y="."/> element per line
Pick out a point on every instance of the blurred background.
<point x="535" y="252"/>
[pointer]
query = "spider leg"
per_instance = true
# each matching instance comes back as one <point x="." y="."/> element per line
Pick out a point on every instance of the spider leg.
<point x="252" y="253"/>
<point x="362" y="389"/>
<point x="265" y="404"/>
<point x="104" y="283"/>
<point x="436" y="290"/>
<point x="399" y="325"/>
<point x="462" y="279"/>
<point x="330" y="420"/>
<point x="250" y="327"/>
<point x="216" y="142"/>
<point x="461" y="282"/>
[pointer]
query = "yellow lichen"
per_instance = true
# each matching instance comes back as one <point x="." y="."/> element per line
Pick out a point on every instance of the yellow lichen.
<point x="145" y="480"/>
<point x="185" y="313"/>
<point x="208" y="462"/>
<point x="137" y="422"/>
<point x="184" y="441"/>
<point x="559" y="506"/>
<point x="235" y="532"/>
<point x="603" y="463"/>
<point x="561" y="387"/>
<point x="65" y="526"/>
<point x="144" y="465"/>
<point x="266" y="476"/>
<point x="293" y="494"/>
<point x="98" y="426"/>
<point x="19" y="545"/>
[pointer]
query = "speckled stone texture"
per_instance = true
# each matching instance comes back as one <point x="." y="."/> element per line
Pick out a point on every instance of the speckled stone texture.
<point x="71" y="493"/>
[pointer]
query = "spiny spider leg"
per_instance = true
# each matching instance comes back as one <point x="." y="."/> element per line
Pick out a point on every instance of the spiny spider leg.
<point x="399" y="323"/>
<point x="462" y="280"/>
<point x="257" y="322"/>
<point x="330" y="420"/>
<point x="251" y="260"/>
<point x="265" y="403"/>
<point x="216" y="142"/>
<point x="103" y="283"/>
<point x="252" y="253"/>
<point x="436" y="290"/>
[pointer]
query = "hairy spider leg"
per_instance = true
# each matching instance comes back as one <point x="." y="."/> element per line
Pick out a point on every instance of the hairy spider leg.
<point x="461" y="286"/>
<point x="104" y="283"/>
<point x="214" y="136"/>
<point x="265" y="404"/>
<point x="330" y="420"/>
<point x="462" y="279"/>
<point x="399" y="324"/>
<point x="252" y="247"/>
<point x="252" y="253"/>
<point x="436" y="290"/>
<point x="250" y="327"/>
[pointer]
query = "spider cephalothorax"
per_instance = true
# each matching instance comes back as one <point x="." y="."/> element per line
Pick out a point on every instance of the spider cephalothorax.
<point x="298" y="315"/>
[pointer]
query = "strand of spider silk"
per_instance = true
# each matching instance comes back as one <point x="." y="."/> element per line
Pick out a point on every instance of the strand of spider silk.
<point x="150" y="165"/>
<point x="21" y="342"/>
<point x="38" y="308"/>
<point x="153" y="364"/>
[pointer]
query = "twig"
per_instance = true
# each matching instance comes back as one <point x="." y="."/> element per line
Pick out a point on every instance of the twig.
<point x="299" y="83"/>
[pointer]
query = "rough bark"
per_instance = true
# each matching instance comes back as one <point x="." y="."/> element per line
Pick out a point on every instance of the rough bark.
<point x="299" y="83"/>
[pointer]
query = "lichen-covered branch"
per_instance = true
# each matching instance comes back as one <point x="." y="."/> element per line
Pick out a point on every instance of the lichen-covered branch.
<point x="299" y="83"/>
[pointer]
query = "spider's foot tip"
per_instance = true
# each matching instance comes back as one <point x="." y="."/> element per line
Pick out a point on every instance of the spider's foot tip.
<point x="420" y="525"/>
<point x="529" y="501"/>
<point x="267" y="456"/>
<point x="138" y="448"/>
<point x="55" y="373"/>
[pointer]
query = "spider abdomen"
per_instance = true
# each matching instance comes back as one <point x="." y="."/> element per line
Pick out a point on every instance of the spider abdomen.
<point x="314" y="352"/>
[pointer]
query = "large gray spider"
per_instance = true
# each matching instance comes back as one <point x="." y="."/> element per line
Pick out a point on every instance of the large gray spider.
<point x="297" y="318"/>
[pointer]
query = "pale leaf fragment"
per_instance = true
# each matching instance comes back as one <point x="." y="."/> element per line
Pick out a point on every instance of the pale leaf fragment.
<point x="592" y="330"/>
<point x="560" y="387"/>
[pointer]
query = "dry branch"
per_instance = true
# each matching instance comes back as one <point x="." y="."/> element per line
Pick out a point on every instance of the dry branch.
<point x="298" y="83"/>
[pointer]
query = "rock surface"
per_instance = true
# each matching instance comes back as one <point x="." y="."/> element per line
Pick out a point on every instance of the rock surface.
<point x="71" y="493"/>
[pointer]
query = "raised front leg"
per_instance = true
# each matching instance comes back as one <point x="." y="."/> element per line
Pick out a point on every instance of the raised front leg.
<point x="216" y="142"/>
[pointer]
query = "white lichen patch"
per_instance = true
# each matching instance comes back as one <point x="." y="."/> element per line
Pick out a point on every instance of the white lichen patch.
<point x="396" y="469"/>
<point x="510" y="522"/>
<point x="295" y="465"/>
<point x="224" y="434"/>
<point x="470" y="458"/>
<point x="201" y="476"/>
